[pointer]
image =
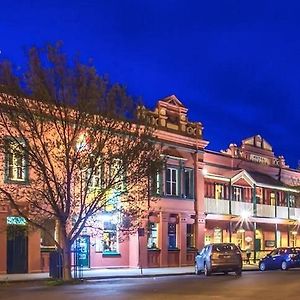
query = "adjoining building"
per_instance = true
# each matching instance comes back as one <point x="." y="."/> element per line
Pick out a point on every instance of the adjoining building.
<point x="245" y="195"/>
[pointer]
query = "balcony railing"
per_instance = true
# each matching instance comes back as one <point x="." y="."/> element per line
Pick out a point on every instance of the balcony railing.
<point x="227" y="207"/>
<point x="216" y="206"/>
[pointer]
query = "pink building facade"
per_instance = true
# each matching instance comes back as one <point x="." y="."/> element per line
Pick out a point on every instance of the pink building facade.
<point x="245" y="195"/>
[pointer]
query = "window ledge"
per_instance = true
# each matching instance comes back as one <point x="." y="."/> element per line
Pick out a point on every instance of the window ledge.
<point x="153" y="249"/>
<point x="175" y="249"/>
<point x="111" y="254"/>
<point x="47" y="248"/>
<point x="21" y="182"/>
<point x="177" y="198"/>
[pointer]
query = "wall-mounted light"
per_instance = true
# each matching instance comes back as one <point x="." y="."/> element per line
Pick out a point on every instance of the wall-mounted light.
<point x="245" y="214"/>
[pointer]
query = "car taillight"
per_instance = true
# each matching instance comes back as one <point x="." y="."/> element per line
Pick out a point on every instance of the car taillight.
<point x="214" y="256"/>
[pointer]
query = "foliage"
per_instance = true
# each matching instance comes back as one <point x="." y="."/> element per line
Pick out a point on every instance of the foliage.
<point x="85" y="148"/>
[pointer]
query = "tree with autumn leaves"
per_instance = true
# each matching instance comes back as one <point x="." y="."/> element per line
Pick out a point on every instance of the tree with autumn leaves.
<point x="77" y="144"/>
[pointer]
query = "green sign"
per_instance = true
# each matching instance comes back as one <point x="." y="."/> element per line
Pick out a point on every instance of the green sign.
<point x="16" y="220"/>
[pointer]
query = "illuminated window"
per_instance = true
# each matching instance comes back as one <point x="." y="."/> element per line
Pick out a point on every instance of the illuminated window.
<point x="96" y="178"/>
<point x="156" y="184"/>
<point x="219" y="191"/>
<point x="152" y="235"/>
<point x="15" y="161"/>
<point x="273" y="198"/>
<point x="190" y="235"/>
<point x="172" y="181"/>
<point x="172" y="238"/>
<point x="110" y="242"/>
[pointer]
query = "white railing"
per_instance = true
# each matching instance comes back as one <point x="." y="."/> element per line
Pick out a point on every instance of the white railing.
<point x="237" y="208"/>
<point x="282" y="212"/>
<point x="216" y="206"/>
<point x="294" y="213"/>
<point x="264" y="210"/>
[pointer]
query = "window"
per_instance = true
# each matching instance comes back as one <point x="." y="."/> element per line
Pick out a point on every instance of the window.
<point x="219" y="191"/>
<point x="188" y="182"/>
<point x="172" y="242"/>
<point x="190" y="235"/>
<point x="46" y="239"/>
<point x="96" y="178"/>
<point x="15" y="161"/>
<point x="237" y="193"/>
<point x="273" y="198"/>
<point x="291" y="200"/>
<point x="172" y="182"/>
<point x="110" y="236"/>
<point x="156" y="184"/>
<point x="152" y="235"/>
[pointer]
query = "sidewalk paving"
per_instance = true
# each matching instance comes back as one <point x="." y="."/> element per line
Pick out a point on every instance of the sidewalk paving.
<point x="115" y="273"/>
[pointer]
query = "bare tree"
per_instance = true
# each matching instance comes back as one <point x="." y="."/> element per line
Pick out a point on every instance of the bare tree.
<point x="77" y="143"/>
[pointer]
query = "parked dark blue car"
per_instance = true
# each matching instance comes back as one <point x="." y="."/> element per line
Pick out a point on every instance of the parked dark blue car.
<point x="281" y="258"/>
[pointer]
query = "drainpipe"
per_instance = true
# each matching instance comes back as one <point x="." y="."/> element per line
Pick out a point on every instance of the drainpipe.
<point x="254" y="200"/>
<point x="230" y="231"/>
<point x="276" y="229"/>
<point x="287" y="194"/>
<point x="254" y="224"/>
<point x="254" y="242"/>
<point x="230" y="196"/>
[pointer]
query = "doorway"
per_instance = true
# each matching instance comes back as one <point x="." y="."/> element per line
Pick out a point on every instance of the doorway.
<point x="17" y="249"/>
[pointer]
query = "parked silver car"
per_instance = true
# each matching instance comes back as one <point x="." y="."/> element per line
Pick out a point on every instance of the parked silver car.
<point x="222" y="257"/>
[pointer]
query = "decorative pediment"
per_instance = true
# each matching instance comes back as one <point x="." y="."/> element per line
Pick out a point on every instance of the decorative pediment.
<point x="243" y="177"/>
<point x="258" y="142"/>
<point x="173" y="100"/>
<point x="171" y="115"/>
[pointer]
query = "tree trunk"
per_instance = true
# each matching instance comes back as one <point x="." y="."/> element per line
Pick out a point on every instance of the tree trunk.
<point x="66" y="254"/>
<point x="66" y="260"/>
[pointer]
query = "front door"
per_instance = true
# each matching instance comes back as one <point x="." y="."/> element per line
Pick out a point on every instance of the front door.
<point x="17" y="249"/>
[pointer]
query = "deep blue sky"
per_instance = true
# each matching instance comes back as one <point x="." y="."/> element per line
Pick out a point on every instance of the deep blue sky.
<point x="234" y="64"/>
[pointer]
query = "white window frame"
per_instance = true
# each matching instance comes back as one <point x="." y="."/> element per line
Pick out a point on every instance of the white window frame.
<point x="12" y="152"/>
<point x="172" y="181"/>
<point x="237" y="193"/>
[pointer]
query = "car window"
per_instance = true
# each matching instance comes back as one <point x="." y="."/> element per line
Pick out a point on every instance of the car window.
<point x="224" y="248"/>
<point x="284" y="251"/>
<point x="295" y="250"/>
<point x="202" y="251"/>
<point x="274" y="252"/>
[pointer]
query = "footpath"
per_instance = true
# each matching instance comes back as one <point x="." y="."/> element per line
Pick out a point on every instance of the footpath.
<point x="93" y="274"/>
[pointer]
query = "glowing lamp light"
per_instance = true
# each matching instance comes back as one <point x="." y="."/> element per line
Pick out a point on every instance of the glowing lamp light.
<point x="294" y="232"/>
<point x="245" y="214"/>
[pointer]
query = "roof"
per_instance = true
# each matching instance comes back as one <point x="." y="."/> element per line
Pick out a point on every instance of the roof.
<point x="265" y="179"/>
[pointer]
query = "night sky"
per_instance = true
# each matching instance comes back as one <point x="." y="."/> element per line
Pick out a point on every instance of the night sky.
<point x="234" y="64"/>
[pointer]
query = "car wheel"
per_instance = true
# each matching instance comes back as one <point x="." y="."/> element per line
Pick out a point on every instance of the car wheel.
<point x="207" y="272"/>
<point x="284" y="266"/>
<point x="197" y="271"/>
<point x="262" y="266"/>
<point x="238" y="272"/>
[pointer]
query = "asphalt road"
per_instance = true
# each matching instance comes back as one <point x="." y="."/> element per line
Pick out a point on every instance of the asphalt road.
<point x="251" y="285"/>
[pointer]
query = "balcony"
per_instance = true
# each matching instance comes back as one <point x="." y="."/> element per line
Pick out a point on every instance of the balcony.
<point x="216" y="206"/>
<point x="222" y="207"/>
